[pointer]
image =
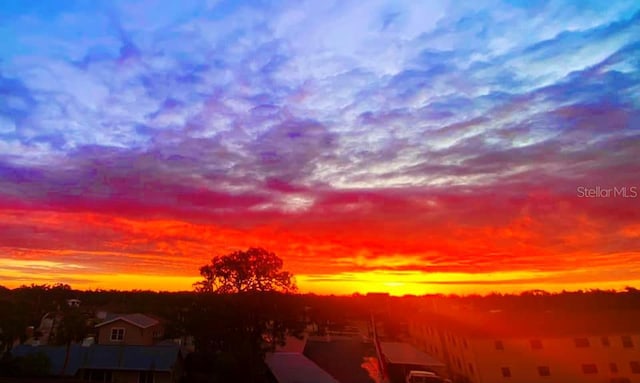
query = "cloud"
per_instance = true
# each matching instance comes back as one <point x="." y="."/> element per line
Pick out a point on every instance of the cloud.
<point x="429" y="137"/>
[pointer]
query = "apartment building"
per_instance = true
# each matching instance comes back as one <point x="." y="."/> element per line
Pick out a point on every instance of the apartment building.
<point x="529" y="347"/>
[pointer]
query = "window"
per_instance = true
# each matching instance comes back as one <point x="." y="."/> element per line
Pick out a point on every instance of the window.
<point x="605" y="341"/>
<point x="589" y="369"/>
<point x="117" y="334"/>
<point x="145" y="377"/>
<point x="544" y="371"/>
<point x="536" y="344"/>
<point x="613" y="368"/>
<point x="635" y="367"/>
<point x="627" y="342"/>
<point x="499" y="345"/>
<point x="581" y="342"/>
<point x="506" y="372"/>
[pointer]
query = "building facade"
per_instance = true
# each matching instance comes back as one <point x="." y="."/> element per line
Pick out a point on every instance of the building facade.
<point x="488" y="347"/>
<point x="129" y="329"/>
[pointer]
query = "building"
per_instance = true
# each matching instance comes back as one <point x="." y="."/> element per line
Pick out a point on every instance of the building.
<point x="111" y="363"/>
<point x="529" y="346"/>
<point x="130" y="329"/>
<point x="129" y="350"/>
<point x="400" y="358"/>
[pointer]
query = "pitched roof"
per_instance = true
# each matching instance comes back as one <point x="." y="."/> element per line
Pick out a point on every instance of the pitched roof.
<point x="108" y="357"/>
<point x="139" y="320"/>
<point x="293" y="367"/>
<point x="404" y="353"/>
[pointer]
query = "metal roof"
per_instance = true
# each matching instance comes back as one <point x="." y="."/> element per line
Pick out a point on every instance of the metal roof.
<point x="293" y="367"/>
<point x="56" y="355"/>
<point x="108" y="357"/>
<point x="404" y="353"/>
<point x="129" y="357"/>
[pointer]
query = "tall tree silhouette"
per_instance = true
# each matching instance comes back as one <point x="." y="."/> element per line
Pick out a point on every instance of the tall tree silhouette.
<point x="253" y="270"/>
<point x="243" y="311"/>
<point x="72" y="329"/>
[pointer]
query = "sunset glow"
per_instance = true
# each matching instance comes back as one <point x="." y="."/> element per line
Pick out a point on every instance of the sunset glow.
<point x="408" y="147"/>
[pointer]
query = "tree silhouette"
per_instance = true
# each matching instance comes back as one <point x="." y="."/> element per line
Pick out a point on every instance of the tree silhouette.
<point x="243" y="312"/>
<point x="14" y="318"/>
<point x="253" y="270"/>
<point x="72" y="328"/>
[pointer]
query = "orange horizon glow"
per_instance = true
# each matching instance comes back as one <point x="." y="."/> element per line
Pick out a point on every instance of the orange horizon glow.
<point x="159" y="283"/>
<point x="165" y="255"/>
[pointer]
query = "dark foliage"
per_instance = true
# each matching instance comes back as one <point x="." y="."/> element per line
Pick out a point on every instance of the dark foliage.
<point x="242" y="313"/>
<point x="252" y="270"/>
<point x="29" y="366"/>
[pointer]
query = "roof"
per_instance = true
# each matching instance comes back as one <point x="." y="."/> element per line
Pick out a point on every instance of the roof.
<point x="130" y="357"/>
<point x="348" y="360"/>
<point x="109" y="357"/>
<point x="293" y="367"/>
<point x="139" y="320"/>
<point x="531" y="323"/>
<point x="293" y="344"/>
<point x="404" y="353"/>
<point x="56" y="355"/>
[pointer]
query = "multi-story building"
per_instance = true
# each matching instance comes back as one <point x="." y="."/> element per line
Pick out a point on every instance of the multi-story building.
<point x="527" y="347"/>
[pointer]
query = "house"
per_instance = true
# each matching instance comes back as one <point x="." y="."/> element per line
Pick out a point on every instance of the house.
<point x="112" y="363"/>
<point x="532" y="346"/>
<point x="132" y="364"/>
<point x="129" y="329"/>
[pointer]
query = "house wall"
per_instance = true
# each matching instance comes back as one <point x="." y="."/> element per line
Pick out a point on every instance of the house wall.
<point x="561" y="355"/>
<point x="133" y="335"/>
<point x="479" y="361"/>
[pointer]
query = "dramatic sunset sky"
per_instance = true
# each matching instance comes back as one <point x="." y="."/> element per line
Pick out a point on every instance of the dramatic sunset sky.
<point x="401" y="146"/>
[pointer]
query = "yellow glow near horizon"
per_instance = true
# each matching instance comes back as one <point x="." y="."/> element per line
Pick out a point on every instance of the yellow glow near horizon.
<point x="396" y="284"/>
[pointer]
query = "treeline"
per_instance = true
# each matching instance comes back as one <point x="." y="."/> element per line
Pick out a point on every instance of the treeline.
<point x="233" y="331"/>
<point x="30" y="303"/>
<point x="581" y="300"/>
<point x="25" y="306"/>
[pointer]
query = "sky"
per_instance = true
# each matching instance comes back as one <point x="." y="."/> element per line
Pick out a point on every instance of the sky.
<point x="403" y="146"/>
